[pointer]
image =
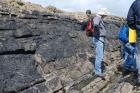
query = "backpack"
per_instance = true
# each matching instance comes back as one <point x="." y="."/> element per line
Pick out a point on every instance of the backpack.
<point x="123" y="33"/>
<point x="89" y="28"/>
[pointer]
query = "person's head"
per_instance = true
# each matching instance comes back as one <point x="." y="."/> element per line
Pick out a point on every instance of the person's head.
<point x="103" y="12"/>
<point x="88" y="13"/>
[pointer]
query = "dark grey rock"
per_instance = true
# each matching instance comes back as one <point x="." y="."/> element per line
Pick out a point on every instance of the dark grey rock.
<point x="7" y="24"/>
<point x="64" y="51"/>
<point x="17" y="71"/>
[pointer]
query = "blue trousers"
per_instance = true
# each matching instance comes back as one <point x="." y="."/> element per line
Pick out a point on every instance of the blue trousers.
<point x="99" y="45"/>
<point x="138" y="61"/>
<point x="130" y="57"/>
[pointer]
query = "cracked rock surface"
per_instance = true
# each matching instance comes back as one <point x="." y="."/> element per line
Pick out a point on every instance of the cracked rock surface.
<point x="42" y="52"/>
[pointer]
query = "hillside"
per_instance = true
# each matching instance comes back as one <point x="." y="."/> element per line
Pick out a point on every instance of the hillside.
<point x="44" y="51"/>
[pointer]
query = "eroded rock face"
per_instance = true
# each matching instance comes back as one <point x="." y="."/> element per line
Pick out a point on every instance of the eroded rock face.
<point x="48" y="53"/>
<point x="17" y="71"/>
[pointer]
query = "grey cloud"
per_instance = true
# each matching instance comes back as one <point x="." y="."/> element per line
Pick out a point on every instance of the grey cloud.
<point x="115" y="7"/>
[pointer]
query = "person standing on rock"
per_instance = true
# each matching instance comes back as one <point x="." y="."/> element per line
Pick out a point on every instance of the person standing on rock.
<point x="133" y="19"/>
<point x="98" y="40"/>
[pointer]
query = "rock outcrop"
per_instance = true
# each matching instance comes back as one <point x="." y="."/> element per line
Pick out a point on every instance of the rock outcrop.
<point x="41" y="52"/>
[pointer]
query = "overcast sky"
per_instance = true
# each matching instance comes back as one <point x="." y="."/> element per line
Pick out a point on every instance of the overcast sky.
<point x="115" y="7"/>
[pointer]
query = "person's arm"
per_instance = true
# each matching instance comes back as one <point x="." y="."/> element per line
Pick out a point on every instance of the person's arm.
<point x="96" y="22"/>
<point x="83" y="25"/>
<point x="131" y="17"/>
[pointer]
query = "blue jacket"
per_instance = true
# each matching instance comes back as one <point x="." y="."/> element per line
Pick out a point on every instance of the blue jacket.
<point x="133" y="17"/>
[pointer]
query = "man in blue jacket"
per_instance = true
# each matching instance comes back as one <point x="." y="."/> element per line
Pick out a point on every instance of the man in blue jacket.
<point x="133" y="19"/>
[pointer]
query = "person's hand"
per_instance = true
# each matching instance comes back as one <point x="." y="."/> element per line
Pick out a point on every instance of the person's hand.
<point x="81" y="21"/>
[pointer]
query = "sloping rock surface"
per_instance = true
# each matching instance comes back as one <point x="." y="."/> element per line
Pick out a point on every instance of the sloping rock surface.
<point x="41" y="52"/>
